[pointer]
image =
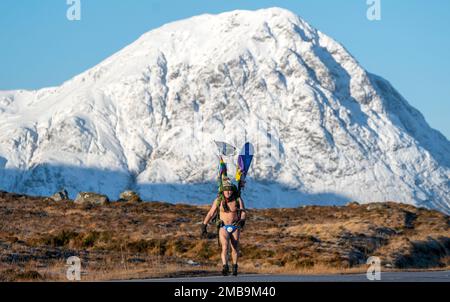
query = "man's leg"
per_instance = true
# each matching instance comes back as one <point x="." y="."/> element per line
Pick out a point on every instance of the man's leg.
<point x="224" y="244"/>
<point x="223" y="235"/>
<point x="234" y="238"/>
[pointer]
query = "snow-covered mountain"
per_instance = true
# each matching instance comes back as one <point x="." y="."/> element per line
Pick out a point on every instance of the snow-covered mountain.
<point x="325" y="130"/>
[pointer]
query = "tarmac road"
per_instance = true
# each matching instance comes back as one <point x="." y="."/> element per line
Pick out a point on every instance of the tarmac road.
<point x="434" y="276"/>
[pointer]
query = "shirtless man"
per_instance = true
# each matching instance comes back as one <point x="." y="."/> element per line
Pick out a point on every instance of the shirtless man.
<point x="232" y="220"/>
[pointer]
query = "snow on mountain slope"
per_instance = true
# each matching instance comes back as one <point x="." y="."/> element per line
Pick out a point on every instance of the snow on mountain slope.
<point x="145" y="119"/>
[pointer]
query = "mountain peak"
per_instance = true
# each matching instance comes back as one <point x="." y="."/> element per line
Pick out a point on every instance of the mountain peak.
<point x="146" y="117"/>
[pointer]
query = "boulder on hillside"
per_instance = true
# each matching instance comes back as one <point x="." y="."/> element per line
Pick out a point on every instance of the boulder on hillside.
<point x="91" y="198"/>
<point x="130" y="196"/>
<point x="59" y="196"/>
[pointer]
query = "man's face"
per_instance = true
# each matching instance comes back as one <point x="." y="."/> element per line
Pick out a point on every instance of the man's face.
<point x="227" y="194"/>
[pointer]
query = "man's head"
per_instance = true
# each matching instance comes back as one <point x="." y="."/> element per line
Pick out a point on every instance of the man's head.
<point x="227" y="193"/>
<point x="228" y="187"/>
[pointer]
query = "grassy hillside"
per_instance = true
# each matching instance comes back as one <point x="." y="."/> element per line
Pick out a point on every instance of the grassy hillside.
<point x="154" y="239"/>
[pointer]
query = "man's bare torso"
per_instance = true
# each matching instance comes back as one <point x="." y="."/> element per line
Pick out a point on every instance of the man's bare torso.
<point x="231" y="216"/>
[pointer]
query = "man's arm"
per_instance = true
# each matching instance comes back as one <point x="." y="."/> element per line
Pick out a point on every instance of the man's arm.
<point x="211" y="213"/>
<point x="242" y="208"/>
<point x="209" y="216"/>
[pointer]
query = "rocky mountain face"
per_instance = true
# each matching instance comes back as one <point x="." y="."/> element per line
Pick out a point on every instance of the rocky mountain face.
<point x="325" y="130"/>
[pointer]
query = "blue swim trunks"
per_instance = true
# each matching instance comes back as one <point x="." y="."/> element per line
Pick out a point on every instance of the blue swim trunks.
<point x="230" y="228"/>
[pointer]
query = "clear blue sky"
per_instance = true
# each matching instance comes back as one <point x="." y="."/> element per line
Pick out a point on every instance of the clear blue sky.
<point x="410" y="46"/>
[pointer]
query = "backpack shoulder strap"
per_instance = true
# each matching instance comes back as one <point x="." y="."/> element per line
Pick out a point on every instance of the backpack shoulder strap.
<point x="219" y="200"/>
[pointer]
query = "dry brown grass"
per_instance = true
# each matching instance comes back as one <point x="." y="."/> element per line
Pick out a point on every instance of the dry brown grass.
<point x="154" y="239"/>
